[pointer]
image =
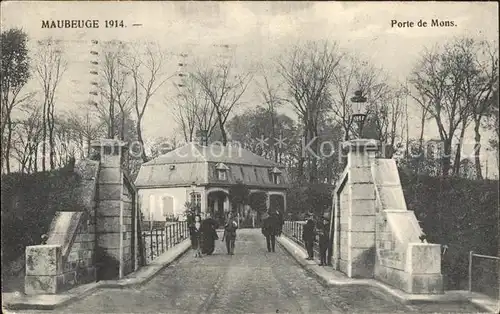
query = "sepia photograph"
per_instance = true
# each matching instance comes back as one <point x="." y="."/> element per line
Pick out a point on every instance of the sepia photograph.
<point x="250" y="157"/>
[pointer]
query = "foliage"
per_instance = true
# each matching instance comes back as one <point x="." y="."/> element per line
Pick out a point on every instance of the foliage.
<point x="15" y="74"/>
<point x="302" y="198"/>
<point x="258" y="201"/>
<point x="28" y="204"/>
<point x="239" y="195"/>
<point x="459" y="213"/>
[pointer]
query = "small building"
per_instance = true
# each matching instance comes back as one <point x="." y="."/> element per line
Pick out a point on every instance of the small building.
<point x="203" y="174"/>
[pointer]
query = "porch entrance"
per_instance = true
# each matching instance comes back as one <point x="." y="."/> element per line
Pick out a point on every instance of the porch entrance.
<point x="216" y="201"/>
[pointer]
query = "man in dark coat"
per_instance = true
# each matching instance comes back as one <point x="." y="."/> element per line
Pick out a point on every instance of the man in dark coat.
<point x="270" y="229"/>
<point x="324" y="237"/>
<point x="209" y="234"/>
<point x="230" y="233"/>
<point x="308" y="236"/>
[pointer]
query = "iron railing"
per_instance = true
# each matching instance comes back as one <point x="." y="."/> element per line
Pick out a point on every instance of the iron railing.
<point x="293" y="230"/>
<point x="159" y="239"/>
<point x="484" y="273"/>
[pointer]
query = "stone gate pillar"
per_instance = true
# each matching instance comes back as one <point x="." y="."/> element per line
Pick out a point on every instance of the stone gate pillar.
<point x="357" y="215"/>
<point x="110" y="230"/>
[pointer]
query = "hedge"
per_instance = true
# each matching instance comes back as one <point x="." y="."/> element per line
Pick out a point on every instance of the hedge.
<point x="460" y="213"/>
<point x="28" y="205"/>
<point x="307" y="197"/>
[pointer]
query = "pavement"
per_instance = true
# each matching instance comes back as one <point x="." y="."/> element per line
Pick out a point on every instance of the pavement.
<point x="330" y="277"/>
<point x="252" y="280"/>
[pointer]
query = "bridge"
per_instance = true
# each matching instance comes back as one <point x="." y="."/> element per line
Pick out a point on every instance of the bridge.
<point x="97" y="258"/>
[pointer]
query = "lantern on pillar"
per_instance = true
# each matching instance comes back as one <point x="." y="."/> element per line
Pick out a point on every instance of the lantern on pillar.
<point x="358" y="111"/>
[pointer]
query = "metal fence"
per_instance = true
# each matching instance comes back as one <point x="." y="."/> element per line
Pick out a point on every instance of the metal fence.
<point x="293" y="230"/>
<point x="159" y="239"/>
<point x="484" y="274"/>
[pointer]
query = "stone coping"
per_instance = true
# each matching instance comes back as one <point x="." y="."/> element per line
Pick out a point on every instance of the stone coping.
<point x="330" y="277"/>
<point x="16" y="301"/>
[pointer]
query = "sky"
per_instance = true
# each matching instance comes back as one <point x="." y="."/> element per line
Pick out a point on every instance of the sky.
<point x="255" y="31"/>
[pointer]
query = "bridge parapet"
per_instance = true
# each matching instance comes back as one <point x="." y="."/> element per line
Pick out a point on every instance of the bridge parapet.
<point x="374" y="235"/>
<point x="67" y="258"/>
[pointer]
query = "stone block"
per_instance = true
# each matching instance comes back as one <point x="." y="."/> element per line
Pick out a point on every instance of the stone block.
<point x="343" y="266"/>
<point x="35" y="284"/>
<point x="360" y="175"/>
<point x="44" y="260"/>
<point x="86" y="275"/>
<point x="362" y="191"/>
<point x="110" y="191"/>
<point x="363" y="207"/>
<point x="110" y="175"/>
<point x="362" y="239"/>
<point x="391" y="276"/>
<point x="362" y="223"/>
<point x="108" y="224"/>
<point x="423" y="258"/>
<point x="110" y="208"/>
<point x="425" y="284"/>
<point x="392" y="197"/>
<point x="109" y="240"/>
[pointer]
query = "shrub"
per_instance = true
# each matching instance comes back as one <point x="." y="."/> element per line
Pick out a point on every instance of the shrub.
<point x="457" y="212"/>
<point x="302" y="198"/>
<point x="28" y="205"/>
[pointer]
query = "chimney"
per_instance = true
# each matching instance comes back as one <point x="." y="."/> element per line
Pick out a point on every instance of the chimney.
<point x="203" y="137"/>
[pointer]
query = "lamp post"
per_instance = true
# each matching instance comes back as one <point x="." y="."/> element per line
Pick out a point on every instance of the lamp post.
<point x="358" y="111"/>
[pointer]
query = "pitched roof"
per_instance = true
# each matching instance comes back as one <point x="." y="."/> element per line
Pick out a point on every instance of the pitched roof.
<point x="193" y="163"/>
<point x="194" y="152"/>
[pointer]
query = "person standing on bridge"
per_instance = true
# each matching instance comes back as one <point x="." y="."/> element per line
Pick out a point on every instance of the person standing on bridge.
<point x="195" y="235"/>
<point x="270" y="229"/>
<point x="230" y="233"/>
<point x="308" y="236"/>
<point x="324" y="235"/>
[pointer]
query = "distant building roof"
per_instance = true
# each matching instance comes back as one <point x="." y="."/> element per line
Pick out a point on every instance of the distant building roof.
<point x="196" y="163"/>
<point x="194" y="152"/>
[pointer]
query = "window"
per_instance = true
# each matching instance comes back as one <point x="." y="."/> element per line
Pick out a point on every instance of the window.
<point x="168" y="205"/>
<point x="221" y="174"/>
<point x="196" y="198"/>
<point x="276" y="178"/>
<point x="275" y="175"/>
<point x="221" y="170"/>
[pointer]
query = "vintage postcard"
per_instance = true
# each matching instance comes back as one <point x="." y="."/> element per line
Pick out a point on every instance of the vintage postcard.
<point x="249" y="157"/>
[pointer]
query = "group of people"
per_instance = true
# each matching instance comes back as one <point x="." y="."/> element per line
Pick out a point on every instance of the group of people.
<point x="203" y="234"/>
<point x="312" y="229"/>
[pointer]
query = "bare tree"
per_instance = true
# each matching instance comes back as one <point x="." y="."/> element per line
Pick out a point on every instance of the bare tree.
<point x="15" y="73"/>
<point x="194" y="110"/>
<point x="223" y="88"/>
<point x="439" y="77"/>
<point x="146" y="70"/>
<point x="116" y="88"/>
<point x="480" y="69"/>
<point x="308" y="71"/>
<point x="49" y="69"/>
<point x="272" y="100"/>
<point x="86" y="127"/>
<point x="351" y="75"/>
<point x="27" y="138"/>
<point x="387" y="120"/>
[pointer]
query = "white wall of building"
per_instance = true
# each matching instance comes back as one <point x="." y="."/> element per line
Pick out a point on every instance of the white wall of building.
<point x="155" y="203"/>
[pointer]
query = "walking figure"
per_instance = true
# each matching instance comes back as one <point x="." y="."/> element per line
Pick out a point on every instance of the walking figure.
<point x="195" y="234"/>
<point x="324" y="236"/>
<point x="270" y="229"/>
<point x="230" y="233"/>
<point x="308" y="236"/>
